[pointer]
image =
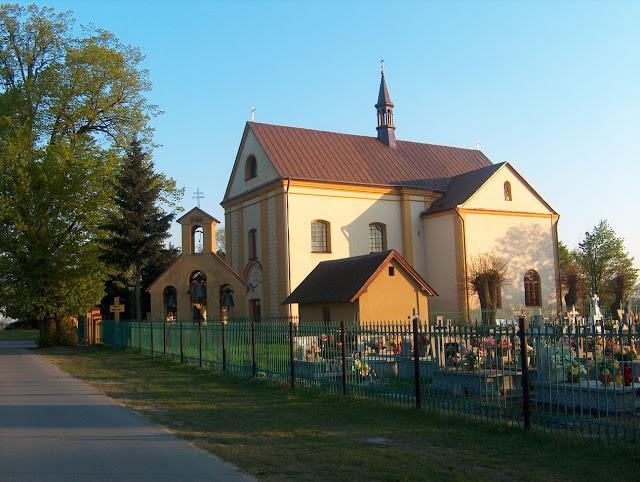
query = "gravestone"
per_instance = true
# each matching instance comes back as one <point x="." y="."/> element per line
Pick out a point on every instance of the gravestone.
<point x="116" y="308"/>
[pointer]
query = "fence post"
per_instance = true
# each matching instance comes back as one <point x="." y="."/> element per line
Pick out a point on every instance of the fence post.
<point x="139" y="336"/>
<point x="151" y="329"/>
<point x="200" y="341"/>
<point x="525" y="373"/>
<point x="343" y="342"/>
<point x="224" y="347"/>
<point x="416" y="361"/>
<point x="121" y="334"/>
<point x="253" y="348"/>
<point x="130" y="340"/>
<point x="291" y="356"/>
<point x="164" y="338"/>
<point x="181" y="352"/>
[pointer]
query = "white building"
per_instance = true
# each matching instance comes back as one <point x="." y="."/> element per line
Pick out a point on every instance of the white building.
<point x="297" y="197"/>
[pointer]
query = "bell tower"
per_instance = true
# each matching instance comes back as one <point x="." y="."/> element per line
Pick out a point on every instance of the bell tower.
<point x="384" y="108"/>
<point x="198" y="232"/>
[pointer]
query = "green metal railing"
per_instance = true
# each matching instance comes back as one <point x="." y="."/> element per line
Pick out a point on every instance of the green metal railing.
<point x="574" y="378"/>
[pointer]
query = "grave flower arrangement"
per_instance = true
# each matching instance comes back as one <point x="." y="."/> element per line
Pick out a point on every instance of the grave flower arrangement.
<point x="564" y="359"/>
<point x="396" y="345"/>
<point x="362" y="370"/>
<point x="376" y="345"/>
<point x="605" y="367"/>
<point x="575" y="371"/>
<point x="312" y="353"/>
<point x="626" y="353"/>
<point x="475" y="358"/>
<point x="504" y="346"/>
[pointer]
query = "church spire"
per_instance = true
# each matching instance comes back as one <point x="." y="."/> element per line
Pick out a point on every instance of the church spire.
<point x="384" y="107"/>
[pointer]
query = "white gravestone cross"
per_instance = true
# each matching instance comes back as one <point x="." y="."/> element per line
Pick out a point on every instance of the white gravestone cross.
<point x="573" y="314"/>
<point x="596" y="314"/>
<point x="116" y="308"/>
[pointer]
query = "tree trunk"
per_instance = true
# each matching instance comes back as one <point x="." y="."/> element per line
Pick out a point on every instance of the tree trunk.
<point x="484" y="294"/>
<point x="45" y="327"/>
<point x="58" y="322"/>
<point x="138" y="293"/>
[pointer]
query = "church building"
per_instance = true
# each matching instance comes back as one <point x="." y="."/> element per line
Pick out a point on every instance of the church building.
<point x="199" y="285"/>
<point x="298" y="197"/>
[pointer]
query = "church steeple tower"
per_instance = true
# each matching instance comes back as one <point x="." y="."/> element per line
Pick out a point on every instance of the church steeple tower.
<point x="384" y="107"/>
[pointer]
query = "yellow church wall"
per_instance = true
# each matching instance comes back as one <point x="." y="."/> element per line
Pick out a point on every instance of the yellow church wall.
<point x="177" y="275"/>
<point x="491" y="195"/>
<point x="440" y="268"/>
<point x="266" y="172"/>
<point x="524" y="242"/>
<point x="392" y="298"/>
<point x="349" y="215"/>
<point x="263" y="211"/>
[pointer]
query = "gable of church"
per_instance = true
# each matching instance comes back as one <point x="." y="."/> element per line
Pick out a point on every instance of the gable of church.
<point x="244" y="176"/>
<point x="507" y="190"/>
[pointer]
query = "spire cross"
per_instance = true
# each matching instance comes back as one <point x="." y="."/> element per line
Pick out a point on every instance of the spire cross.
<point x="382" y="66"/>
<point x="253" y="113"/>
<point x="198" y="195"/>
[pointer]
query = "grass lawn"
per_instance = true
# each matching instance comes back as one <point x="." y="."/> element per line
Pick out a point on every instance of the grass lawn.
<point x="18" y="335"/>
<point x="274" y="433"/>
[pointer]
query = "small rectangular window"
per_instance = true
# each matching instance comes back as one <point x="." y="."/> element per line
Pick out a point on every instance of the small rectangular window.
<point x="392" y="271"/>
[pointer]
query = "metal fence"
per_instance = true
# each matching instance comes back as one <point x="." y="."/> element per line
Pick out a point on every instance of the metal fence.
<point x="572" y="378"/>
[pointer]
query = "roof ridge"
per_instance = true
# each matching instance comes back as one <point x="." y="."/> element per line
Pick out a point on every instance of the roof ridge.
<point x="403" y="141"/>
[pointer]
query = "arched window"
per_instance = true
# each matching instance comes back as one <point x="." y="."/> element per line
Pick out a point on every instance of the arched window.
<point x="532" y="291"/>
<point x="253" y="244"/>
<point x="320" y="237"/>
<point x="377" y="237"/>
<point x="170" y="297"/>
<point x="250" y="168"/>
<point x="198" y="293"/>
<point x="197" y="239"/>
<point x="507" y="191"/>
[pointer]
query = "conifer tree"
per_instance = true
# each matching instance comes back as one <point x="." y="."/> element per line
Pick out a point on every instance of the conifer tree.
<point x="138" y="228"/>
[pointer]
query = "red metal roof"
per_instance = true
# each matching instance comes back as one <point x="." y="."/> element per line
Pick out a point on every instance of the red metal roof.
<point x="330" y="156"/>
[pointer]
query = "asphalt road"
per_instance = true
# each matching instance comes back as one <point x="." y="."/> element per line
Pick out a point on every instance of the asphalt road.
<point x="53" y="427"/>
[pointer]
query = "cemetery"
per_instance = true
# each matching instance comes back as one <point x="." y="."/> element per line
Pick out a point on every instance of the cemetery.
<point x="572" y="373"/>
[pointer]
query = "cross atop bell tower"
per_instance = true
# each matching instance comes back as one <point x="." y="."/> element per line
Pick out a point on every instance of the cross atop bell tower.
<point x="384" y="108"/>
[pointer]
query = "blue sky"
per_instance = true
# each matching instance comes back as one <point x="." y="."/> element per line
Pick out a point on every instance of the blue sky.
<point x="553" y="87"/>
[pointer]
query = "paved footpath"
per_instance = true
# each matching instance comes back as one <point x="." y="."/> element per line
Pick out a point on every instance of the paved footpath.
<point x="53" y="427"/>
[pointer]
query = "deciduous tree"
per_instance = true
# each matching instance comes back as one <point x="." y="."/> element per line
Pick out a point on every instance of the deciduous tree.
<point x="68" y="105"/>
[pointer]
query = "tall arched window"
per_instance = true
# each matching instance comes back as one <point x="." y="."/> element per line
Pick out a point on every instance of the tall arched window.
<point x="507" y="191"/>
<point x="320" y="236"/>
<point x="250" y="168"/>
<point x="170" y="296"/>
<point x="377" y="237"/>
<point x="532" y="291"/>
<point x="253" y="243"/>
<point x="197" y="239"/>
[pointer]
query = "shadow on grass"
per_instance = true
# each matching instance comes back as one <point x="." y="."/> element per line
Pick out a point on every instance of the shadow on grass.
<point x="276" y="433"/>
